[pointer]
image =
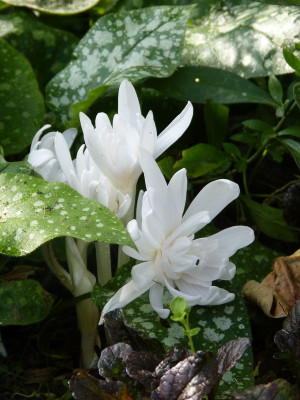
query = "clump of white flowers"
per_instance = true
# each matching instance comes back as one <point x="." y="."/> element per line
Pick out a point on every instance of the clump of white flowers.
<point x="106" y="168"/>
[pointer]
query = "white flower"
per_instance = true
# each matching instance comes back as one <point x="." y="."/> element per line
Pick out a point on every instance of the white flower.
<point x="116" y="148"/>
<point x="164" y="237"/>
<point x="42" y="154"/>
<point x="83" y="175"/>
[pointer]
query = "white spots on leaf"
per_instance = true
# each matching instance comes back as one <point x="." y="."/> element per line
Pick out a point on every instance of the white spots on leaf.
<point x="19" y="231"/>
<point x="86" y="209"/>
<point x="88" y="235"/>
<point x="222" y="323"/>
<point x="47" y="195"/>
<point x="83" y="218"/>
<point x="19" y="213"/>
<point x="17" y="197"/>
<point x="241" y="326"/>
<point x="50" y="221"/>
<point x="42" y="231"/>
<point x="211" y="335"/>
<point x="63" y="212"/>
<point x="31" y="236"/>
<point x="38" y="203"/>
<point x="61" y="200"/>
<point x="34" y="223"/>
<point x="100" y="225"/>
<point x="73" y="228"/>
<point x="13" y="188"/>
<point x="229" y="309"/>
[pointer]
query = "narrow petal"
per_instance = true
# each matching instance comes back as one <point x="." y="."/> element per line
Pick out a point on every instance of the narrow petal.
<point x="124" y="296"/>
<point x="156" y="300"/>
<point x="128" y="103"/>
<point x="174" y="130"/>
<point x="149" y="134"/>
<point x="175" y="202"/>
<point x="138" y="213"/>
<point x="213" y="198"/>
<point x="64" y="157"/>
<point x="134" y="254"/>
<point x="37" y="136"/>
<point x="153" y="175"/>
<point x="232" y="239"/>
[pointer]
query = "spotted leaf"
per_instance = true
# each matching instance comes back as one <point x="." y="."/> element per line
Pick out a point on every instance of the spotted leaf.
<point x="33" y="211"/>
<point x="132" y="45"/>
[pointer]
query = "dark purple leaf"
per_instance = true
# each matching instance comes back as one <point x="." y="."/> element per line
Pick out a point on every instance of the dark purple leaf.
<point x="230" y="353"/>
<point x="202" y="383"/>
<point x="85" y="387"/>
<point x="276" y="390"/>
<point x="176" y="379"/>
<point x="115" y="327"/>
<point x="110" y="355"/>
<point x="172" y="358"/>
<point x="140" y="366"/>
<point x="288" y="338"/>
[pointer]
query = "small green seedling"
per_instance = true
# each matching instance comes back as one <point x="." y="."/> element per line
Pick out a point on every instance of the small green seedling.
<point x="180" y="312"/>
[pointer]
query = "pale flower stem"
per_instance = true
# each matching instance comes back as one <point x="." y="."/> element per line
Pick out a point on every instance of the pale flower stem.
<point x="122" y="257"/>
<point x="87" y="313"/>
<point x="103" y="262"/>
<point x="62" y="275"/>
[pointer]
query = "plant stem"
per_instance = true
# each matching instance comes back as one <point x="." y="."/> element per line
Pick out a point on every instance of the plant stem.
<point x="186" y="324"/>
<point x="245" y="183"/>
<point x="281" y="122"/>
<point x="103" y="263"/>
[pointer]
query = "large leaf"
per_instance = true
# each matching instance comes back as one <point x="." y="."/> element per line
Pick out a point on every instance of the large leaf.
<point x="23" y="302"/>
<point x="33" y="211"/>
<point x="246" y="37"/>
<point x="21" y="103"/>
<point x="199" y="84"/>
<point x="132" y="45"/>
<point x="202" y="159"/>
<point x="48" y="49"/>
<point x="16" y="167"/>
<point x="269" y="220"/>
<point x="55" y="6"/>
<point x="294" y="148"/>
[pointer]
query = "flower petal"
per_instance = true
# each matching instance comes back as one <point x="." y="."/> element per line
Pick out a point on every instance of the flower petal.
<point x="65" y="160"/>
<point x="142" y="273"/>
<point x="156" y="300"/>
<point x="153" y="175"/>
<point x="128" y="103"/>
<point x="70" y="135"/>
<point x="125" y="295"/>
<point x="213" y="198"/>
<point x="232" y="239"/>
<point x="173" y="131"/>
<point x="37" y="136"/>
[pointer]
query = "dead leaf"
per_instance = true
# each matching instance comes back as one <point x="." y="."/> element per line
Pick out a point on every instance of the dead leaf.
<point x="276" y="390"/>
<point x="277" y="293"/>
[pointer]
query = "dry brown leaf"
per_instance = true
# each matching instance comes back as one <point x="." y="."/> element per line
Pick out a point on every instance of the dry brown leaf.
<point x="277" y="293"/>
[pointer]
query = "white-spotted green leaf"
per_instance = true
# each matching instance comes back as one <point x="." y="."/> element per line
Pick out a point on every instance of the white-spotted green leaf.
<point x="33" y="211"/>
<point x="23" y="302"/>
<point x="132" y="45"/>
<point x="199" y="84"/>
<point x="21" y="103"/>
<point x="246" y="38"/>
<point x="48" y="49"/>
<point x="55" y="6"/>
<point x="16" y="167"/>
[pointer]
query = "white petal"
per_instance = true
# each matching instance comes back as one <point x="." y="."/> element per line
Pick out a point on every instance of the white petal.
<point x="134" y="254"/>
<point x="102" y="122"/>
<point x="70" y="135"/>
<point x="217" y="296"/>
<point x="124" y="296"/>
<point x="213" y="198"/>
<point x="174" y="130"/>
<point x="228" y="272"/>
<point x="64" y="157"/>
<point x="175" y="202"/>
<point x="232" y="239"/>
<point x="128" y="103"/>
<point x="153" y="175"/>
<point x="133" y="230"/>
<point x="138" y="213"/>
<point x="37" y="136"/>
<point x="38" y="158"/>
<point x="149" y="135"/>
<point x="190" y="226"/>
<point x="156" y="300"/>
<point x="142" y="273"/>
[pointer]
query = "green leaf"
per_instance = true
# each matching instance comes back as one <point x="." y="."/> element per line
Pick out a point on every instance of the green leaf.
<point x="232" y="150"/>
<point x="202" y="159"/>
<point x="132" y="45"/>
<point x="21" y="103"/>
<point x="216" y="122"/>
<point x="294" y="148"/>
<point x="16" y="167"/>
<point x="23" y="302"/>
<point x="291" y="59"/>
<point x="193" y="332"/>
<point x="33" y="211"/>
<point x="269" y="220"/>
<point x="243" y="37"/>
<point x="275" y="89"/>
<point x="55" y="6"/>
<point x="199" y="84"/>
<point x="296" y="93"/>
<point x="256" y="125"/>
<point x="290" y="131"/>
<point x="247" y="138"/>
<point x="48" y="49"/>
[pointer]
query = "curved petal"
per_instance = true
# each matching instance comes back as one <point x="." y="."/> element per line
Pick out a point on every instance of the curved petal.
<point x="156" y="300"/>
<point x="175" y="201"/>
<point x="37" y="136"/>
<point x="134" y="254"/>
<point x="70" y="135"/>
<point x="213" y="198"/>
<point x="124" y="296"/>
<point x="153" y="175"/>
<point x="173" y="131"/>
<point x="128" y="103"/>
<point x="64" y="159"/>
<point x="234" y="238"/>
